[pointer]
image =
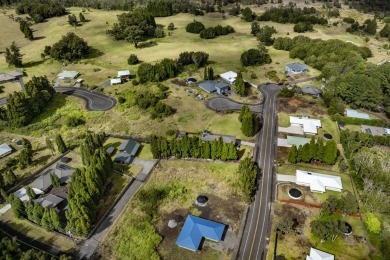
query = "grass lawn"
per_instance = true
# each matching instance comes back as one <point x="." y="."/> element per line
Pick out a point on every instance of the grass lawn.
<point x="145" y="152"/>
<point x="298" y="246"/>
<point x="283" y="119"/>
<point x="216" y="180"/>
<point x="36" y="233"/>
<point x="353" y="128"/>
<point x="228" y="125"/>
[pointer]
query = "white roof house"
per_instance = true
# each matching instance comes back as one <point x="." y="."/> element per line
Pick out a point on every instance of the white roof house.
<point x="316" y="254"/>
<point x="5" y="149"/>
<point x="309" y="125"/>
<point x="318" y="182"/>
<point x="123" y="73"/>
<point x="68" y="74"/>
<point x="229" y="76"/>
<point x="22" y="193"/>
<point x="115" y="81"/>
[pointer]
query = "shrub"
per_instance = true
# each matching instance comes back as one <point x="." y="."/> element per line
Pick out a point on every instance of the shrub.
<point x="133" y="59"/>
<point x="70" y="47"/>
<point x="254" y="57"/>
<point x="303" y="27"/>
<point x="135" y="82"/>
<point x="171" y="27"/>
<point x="121" y="100"/>
<point x="74" y="121"/>
<point x="373" y="223"/>
<point x="195" y="27"/>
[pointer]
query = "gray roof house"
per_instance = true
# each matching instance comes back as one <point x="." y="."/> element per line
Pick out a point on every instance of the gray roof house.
<point x="5" y="149"/>
<point x="43" y="182"/>
<point x="208" y="137"/>
<point x="374" y="130"/>
<point x="68" y="74"/>
<point x="49" y="201"/>
<point x="296" y="68"/>
<point x="63" y="172"/>
<point x="128" y="151"/>
<point x="11" y="76"/>
<point x="311" y="90"/>
<point x="212" y="86"/>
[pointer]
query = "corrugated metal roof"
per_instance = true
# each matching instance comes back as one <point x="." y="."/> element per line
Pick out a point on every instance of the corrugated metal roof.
<point x="356" y="114"/>
<point x="195" y="229"/>
<point x="294" y="140"/>
<point x="297" y="66"/>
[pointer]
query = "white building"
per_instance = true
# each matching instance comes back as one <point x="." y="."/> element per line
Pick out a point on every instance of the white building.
<point x="309" y="125"/>
<point x="319" y="182"/>
<point x="5" y="149"/>
<point x="115" y="81"/>
<point x="316" y="254"/>
<point x="229" y="76"/>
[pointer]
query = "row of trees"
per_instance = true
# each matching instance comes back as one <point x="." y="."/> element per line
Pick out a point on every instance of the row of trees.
<point x="40" y="10"/>
<point x="169" y="68"/>
<point x="87" y="185"/>
<point x="160" y="8"/>
<point x="22" y="107"/>
<point x="250" y="124"/>
<point x="263" y="34"/>
<point x="213" y="32"/>
<point x="314" y="151"/>
<point x="292" y="14"/>
<point x="192" y="147"/>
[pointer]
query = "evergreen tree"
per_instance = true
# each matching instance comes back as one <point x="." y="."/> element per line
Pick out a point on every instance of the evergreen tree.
<point x="248" y="124"/>
<point x="49" y="145"/>
<point x="232" y="152"/>
<point x="320" y="150"/>
<point x="37" y="213"/>
<point x="55" y="219"/>
<point x="247" y="178"/>
<point x="214" y="150"/>
<point x="300" y="154"/>
<point x="240" y="85"/>
<point x="55" y="180"/>
<point x="211" y="73"/>
<point x="28" y="33"/>
<point x="46" y="220"/>
<point x="313" y="148"/>
<point x="171" y="27"/>
<point x="225" y="152"/>
<point x="330" y="152"/>
<point x="3" y="195"/>
<point x="205" y="74"/>
<point x="13" y="56"/>
<point x="244" y="110"/>
<point x="30" y="192"/>
<point x="9" y="177"/>
<point x="72" y="20"/>
<point x="82" y="18"/>
<point x="306" y="156"/>
<point x="17" y="206"/>
<point x="61" y="146"/>
<point x="293" y="154"/>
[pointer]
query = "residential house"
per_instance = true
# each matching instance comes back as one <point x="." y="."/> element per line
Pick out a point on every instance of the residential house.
<point x="124" y="75"/>
<point x="374" y="130"/>
<point x="296" y="68"/>
<point x="293" y="140"/>
<point x="211" y="86"/>
<point x="311" y="90"/>
<point x="49" y="201"/>
<point x="209" y="137"/>
<point x="63" y="172"/>
<point x="128" y="150"/>
<point x="318" y="182"/>
<point x="229" y="77"/>
<point x="22" y="194"/>
<point x="11" y="76"/>
<point x="5" y="150"/>
<point x="68" y="74"/>
<point x="43" y="182"/>
<point x="316" y="254"/>
<point x="195" y="229"/>
<point x="355" y="114"/>
<point x="309" y="125"/>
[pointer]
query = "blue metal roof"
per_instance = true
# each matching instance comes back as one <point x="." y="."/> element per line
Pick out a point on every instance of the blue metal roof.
<point x="195" y="229"/>
<point x="296" y="66"/>
<point x="211" y="86"/>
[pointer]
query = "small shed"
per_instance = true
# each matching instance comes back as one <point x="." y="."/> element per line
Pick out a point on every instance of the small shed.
<point x="115" y="81"/>
<point x="68" y="74"/>
<point x="124" y="74"/>
<point x="110" y="150"/>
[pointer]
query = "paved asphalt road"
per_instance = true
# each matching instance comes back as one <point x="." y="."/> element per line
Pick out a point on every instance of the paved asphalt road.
<point x="255" y="236"/>
<point x="95" y="100"/>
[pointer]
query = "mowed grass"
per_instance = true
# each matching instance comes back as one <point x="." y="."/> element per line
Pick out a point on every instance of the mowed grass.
<point x="62" y="243"/>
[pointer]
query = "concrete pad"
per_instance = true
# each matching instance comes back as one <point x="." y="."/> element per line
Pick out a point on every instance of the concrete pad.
<point x="286" y="178"/>
<point x="294" y="129"/>
<point x="283" y="143"/>
<point x="5" y="209"/>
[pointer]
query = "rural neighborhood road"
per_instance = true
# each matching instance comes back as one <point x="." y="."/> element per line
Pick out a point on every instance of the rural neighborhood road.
<point x="90" y="245"/>
<point x="255" y="235"/>
<point x="95" y="101"/>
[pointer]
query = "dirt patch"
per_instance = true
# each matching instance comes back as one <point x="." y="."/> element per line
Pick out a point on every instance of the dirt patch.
<point x="294" y="102"/>
<point x="307" y="195"/>
<point x="179" y="82"/>
<point x="282" y="154"/>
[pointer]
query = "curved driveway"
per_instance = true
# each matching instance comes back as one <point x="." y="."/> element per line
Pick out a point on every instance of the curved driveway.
<point x="255" y="237"/>
<point x="220" y="104"/>
<point x="94" y="100"/>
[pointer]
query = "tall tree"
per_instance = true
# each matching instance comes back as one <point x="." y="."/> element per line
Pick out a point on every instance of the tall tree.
<point x="81" y="17"/>
<point x="61" y="146"/>
<point x="13" y="56"/>
<point x="72" y="20"/>
<point x="313" y="148"/>
<point x="292" y="154"/>
<point x="247" y="178"/>
<point x="55" y="180"/>
<point x="9" y="177"/>
<point x="240" y="85"/>
<point x="330" y="152"/>
<point x="17" y="206"/>
<point x="30" y="192"/>
<point x="49" y="144"/>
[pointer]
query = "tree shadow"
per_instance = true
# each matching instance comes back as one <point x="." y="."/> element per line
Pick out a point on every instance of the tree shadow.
<point x="39" y="38"/>
<point x="33" y="63"/>
<point x="94" y="53"/>
<point x="41" y="160"/>
<point x="148" y="44"/>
